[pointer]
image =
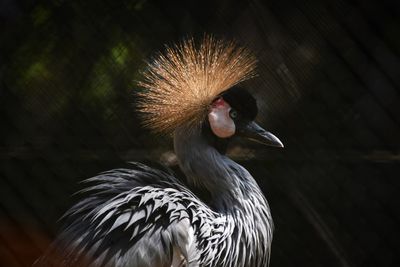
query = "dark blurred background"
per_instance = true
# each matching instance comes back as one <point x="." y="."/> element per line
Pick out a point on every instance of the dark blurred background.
<point x="328" y="86"/>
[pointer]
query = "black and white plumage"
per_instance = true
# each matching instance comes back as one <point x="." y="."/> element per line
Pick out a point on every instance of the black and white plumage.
<point x="145" y="217"/>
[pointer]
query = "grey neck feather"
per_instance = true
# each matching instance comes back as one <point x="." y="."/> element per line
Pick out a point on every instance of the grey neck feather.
<point x="228" y="182"/>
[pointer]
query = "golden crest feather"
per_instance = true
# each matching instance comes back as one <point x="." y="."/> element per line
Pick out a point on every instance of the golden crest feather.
<point x="180" y="84"/>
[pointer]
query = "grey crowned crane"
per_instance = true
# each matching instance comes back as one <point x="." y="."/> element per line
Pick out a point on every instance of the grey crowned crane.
<point x="146" y="217"/>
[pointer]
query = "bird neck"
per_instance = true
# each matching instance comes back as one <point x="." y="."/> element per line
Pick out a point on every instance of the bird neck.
<point x="205" y="167"/>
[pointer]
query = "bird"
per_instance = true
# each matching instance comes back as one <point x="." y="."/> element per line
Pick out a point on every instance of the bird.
<point x="145" y="216"/>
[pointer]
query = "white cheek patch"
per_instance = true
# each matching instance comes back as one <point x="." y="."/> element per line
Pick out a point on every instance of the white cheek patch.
<point x="221" y="123"/>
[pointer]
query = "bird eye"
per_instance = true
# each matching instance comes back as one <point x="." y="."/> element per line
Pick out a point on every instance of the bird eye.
<point x="233" y="114"/>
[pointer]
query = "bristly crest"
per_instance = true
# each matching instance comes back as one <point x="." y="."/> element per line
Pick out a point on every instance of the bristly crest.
<point x="180" y="84"/>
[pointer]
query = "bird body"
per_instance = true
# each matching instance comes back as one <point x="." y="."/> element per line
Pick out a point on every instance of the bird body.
<point x="145" y="217"/>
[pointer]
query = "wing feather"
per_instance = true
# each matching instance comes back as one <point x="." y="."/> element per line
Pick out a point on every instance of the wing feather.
<point x="132" y="217"/>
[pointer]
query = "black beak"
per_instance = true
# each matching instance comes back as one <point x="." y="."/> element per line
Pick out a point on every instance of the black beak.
<point x="254" y="132"/>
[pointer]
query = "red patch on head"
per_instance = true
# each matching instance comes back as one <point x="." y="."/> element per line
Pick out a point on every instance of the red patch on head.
<point x="220" y="102"/>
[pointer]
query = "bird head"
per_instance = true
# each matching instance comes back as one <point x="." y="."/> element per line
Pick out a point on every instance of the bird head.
<point x="233" y="113"/>
<point x="193" y="84"/>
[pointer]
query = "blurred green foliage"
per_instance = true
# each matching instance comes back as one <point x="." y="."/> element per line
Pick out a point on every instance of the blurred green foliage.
<point x="81" y="58"/>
